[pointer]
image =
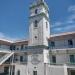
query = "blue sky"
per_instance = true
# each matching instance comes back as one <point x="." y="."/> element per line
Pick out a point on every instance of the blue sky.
<point x="14" y="17"/>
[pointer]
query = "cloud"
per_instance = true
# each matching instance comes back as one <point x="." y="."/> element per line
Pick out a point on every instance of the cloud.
<point x="66" y="25"/>
<point x="7" y="38"/>
<point x="72" y="9"/>
<point x="69" y="21"/>
<point x="72" y="18"/>
<point x="64" y="29"/>
<point x="1" y="35"/>
<point x="70" y="27"/>
<point x="58" y="29"/>
<point x="57" y="24"/>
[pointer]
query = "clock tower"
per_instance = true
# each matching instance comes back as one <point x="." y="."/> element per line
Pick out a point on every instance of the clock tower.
<point x="39" y="23"/>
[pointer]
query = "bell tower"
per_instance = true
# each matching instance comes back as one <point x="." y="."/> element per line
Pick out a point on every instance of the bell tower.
<point x="39" y="23"/>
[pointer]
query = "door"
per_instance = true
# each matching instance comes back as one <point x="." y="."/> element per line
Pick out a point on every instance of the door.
<point x="73" y="72"/>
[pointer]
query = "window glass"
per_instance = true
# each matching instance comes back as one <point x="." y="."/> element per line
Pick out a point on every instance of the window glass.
<point x="53" y="59"/>
<point x="72" y="58"/>
<point x="12" y="47"/>
<point x="18" y="72"/>
<point x="34" y="72"/>
<point x="21" y="58"/>
<point x="70" y="42"/>
<point x="36" y="23"/>
<point x="25" y="57"/>
<point x="22" y="46"/>
<point x="52" y="44"/>
<point x="36" y="10"/>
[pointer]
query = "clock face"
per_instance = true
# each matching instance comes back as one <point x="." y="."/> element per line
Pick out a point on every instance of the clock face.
<point x="35" y="59"/>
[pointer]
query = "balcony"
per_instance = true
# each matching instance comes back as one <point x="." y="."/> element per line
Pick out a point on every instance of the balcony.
<point x="69" y="63"/>
<point x="4" y="49"/>
<point x="31" y="48"/>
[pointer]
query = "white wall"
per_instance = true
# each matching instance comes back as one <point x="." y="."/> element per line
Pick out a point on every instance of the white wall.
<point x="22" y="68"/>
<point x="57" y="70"/>
<point x="41" y="31"/>
<point x="39" y="67"/>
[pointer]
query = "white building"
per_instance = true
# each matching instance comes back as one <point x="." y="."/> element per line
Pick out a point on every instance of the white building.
<point x="42" y="54"/>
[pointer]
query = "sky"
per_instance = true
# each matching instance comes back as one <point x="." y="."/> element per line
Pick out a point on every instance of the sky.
<point x="14" y="21"/>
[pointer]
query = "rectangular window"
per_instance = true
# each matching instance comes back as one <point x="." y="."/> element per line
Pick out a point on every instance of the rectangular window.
<point x="34" y="72"/>
<point x="18" y="72"/>
<point x="72" y="59"/>
<point x="36" y="11"/>
<point x="35" y="24"/>
<point x="26" y="58"/>
<point x="22" y="46"/>
<point x="70" y="43"/>
<point x="6" y="70"/>
<point x="12" y="47"/>
<point x="15" y="58"/>
<point x="53" y="59"/>
<point x="52" y="44"/>
<point x="21" y="58"/>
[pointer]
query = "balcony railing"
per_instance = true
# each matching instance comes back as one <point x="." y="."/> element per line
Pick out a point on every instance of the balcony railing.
<point x="68" y="63"/>
<point x="4" y="48"/>
<point x="61" y="46"/>
<point x="28" y="48"/>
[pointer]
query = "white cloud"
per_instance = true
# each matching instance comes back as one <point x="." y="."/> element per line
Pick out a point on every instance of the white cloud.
<point x="7" y="38"/>
<point x="1" y="35"/>
<point x="70" y="27"/>
<point x="71" y="9"/>
<point x="72" y="17"/>
<point x="66" y="28"/>
<point x="56" y="24"/>
<point x="58" y="29"/>
<point x="69" y="21"/>
<point x="68" y="24"/>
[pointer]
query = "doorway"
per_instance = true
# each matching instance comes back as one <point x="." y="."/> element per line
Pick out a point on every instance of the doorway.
<point x="72" y="72"/>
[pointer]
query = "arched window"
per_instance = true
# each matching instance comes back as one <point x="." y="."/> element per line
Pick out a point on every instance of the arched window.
<point x="36" y="10"/>
<point x="36" y="23"/>
<point x="46" y="25"/>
